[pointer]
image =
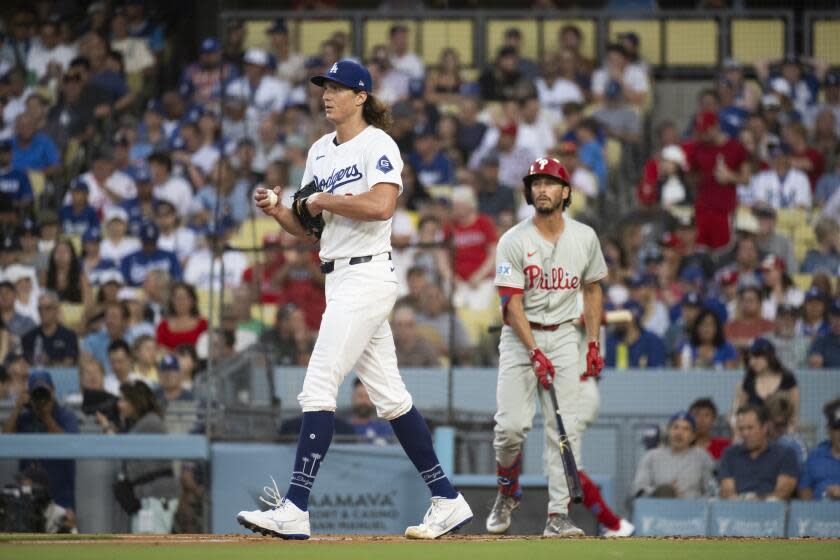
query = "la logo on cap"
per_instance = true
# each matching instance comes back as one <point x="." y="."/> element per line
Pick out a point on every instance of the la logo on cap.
<point x="334" y="68"/>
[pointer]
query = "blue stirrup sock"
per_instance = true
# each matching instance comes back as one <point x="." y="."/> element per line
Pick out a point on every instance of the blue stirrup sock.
<point x="316" y="432"/>
<point x="413" y="433"/>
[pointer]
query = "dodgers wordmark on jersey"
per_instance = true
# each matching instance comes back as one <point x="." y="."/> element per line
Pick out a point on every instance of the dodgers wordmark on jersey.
<point x="551" y="275"/>
<point x="352" y="168"/>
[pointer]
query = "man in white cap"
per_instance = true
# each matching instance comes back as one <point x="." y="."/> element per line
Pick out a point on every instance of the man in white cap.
<point x="265" y="93"/>
<point x="117" y="244"/>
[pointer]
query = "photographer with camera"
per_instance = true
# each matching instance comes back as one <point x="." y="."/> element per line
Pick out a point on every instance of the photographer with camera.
<point x="36" y="411"/>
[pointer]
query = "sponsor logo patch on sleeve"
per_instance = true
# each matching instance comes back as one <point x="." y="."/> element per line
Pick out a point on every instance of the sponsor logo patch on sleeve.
<point x="504" y="269"/>
<point x="384" y="164"/>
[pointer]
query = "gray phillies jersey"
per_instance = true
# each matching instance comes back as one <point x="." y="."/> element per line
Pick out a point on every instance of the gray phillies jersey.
<point x="550" y="275"/>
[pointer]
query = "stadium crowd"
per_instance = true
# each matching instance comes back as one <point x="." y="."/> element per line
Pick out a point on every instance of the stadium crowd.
<point x="124" y="200"/>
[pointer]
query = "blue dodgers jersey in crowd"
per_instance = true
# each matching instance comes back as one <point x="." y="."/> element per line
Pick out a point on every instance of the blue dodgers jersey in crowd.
<point x="647" y="351"/>
<point x="439" y="171"/>
<point x="137" y="265"/>
<point x="77" y="224"/>
<point x="822" y="469"/>
<point x="15" y="184"/>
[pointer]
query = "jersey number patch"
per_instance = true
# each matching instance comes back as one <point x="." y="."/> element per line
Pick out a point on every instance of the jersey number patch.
<point x="384" y="164"/>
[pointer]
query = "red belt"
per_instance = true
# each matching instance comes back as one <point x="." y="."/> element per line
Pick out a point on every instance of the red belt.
<point x="541" y="327"/>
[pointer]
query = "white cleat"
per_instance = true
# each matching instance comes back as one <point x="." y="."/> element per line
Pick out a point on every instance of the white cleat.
<point x="625" y="529"/>
<point x="284" y="520"/>
<point x="444" y="516"/>
<point x="499" y="519"/>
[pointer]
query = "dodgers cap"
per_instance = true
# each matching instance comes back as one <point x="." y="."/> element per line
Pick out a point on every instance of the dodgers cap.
<point x="347" y="73"/>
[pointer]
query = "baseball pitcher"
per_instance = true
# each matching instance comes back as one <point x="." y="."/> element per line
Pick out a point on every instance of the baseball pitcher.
<point x="349" y="194"/>
<point x="541" y="265"/>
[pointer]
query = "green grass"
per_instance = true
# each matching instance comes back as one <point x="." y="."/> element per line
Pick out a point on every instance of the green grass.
<point x="455" y="550"/>
<point x="6" y="537"/>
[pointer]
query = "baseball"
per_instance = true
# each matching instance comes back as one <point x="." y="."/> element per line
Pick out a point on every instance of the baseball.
<point x="273" y="199"/>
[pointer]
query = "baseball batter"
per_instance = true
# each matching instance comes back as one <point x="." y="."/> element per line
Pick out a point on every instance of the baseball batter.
<point x="357" y="171"/>
<point x="541" y="265"/>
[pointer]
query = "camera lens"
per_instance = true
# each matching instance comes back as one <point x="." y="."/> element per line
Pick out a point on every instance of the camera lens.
<point x="40" y="396"/>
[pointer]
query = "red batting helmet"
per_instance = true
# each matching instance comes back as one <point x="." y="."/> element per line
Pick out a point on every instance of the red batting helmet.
<point x="550" y="167"/>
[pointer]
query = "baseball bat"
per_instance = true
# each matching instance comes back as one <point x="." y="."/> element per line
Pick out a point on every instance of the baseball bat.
<point x="569" y="465"/>
<point x="609" y="318"/>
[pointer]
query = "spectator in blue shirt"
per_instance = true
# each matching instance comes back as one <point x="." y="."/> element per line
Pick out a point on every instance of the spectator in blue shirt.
<point x="825" y="351"/>
<point x="757" y="468"/>
<point x="171" y="388"/>
<point x="643" y="348"/>
<point x="50" y="344"/>
<point x="14" y="183"/>
<point x="591" y="152"/>
<point x="33" y="150"/>
<point x="143" y="207"/>
<point x="36" y="411"/>
<point x="78" y="216"/>
<point x="826" y="257"/>
<point x="227" y="197"/>
<point x="364" y="421"/>
<point x="429" y="162"/>
<point x="116" y="317"/>
<point x="707" y="347"/>
<point x="821" y="476"/>
<point x="137" y="265"/>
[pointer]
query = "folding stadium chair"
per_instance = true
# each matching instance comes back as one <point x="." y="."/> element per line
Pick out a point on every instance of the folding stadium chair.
<point x="377" y="31"/>
<point x="757" y="39"/>
<point x="826" y="40"/>
<point x="691" y="42"/>
<point x="457" y="34"/>
<point x="311" y="33"/>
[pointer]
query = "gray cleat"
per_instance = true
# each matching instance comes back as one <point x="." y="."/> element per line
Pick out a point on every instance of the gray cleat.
<point x="559" y="525"/>
<point x="499" y="519"/>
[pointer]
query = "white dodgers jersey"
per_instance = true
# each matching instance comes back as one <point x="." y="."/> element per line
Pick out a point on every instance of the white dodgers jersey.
<point x="352" y="168"/>
<point x="551" y="276"/>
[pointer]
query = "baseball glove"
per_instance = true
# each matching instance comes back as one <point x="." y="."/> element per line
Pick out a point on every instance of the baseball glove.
<point x="314" y="225"/>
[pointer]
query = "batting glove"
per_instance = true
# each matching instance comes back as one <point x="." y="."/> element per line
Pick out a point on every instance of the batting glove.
<point x="594" y="361"/>
<point x="542" y="368"/>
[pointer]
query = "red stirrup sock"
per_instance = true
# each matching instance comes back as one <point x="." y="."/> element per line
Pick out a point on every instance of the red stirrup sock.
<point x="593" y="500"/>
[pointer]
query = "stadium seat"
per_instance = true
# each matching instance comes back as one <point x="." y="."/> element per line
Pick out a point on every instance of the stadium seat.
<point x="588" y="30"/>
<point x="495" y="33"/>
<point x="250" y="234"/>
<point x="39" y="183"/>
<point x="255" y="34"/>
<point x="613" y="153"/>
<point x="690" y="42"/>
<point x="650" y="36"/>
<point x="264" y="312"/>
<point x="476" y="322"/>
<point x="438" y="34"/>
<point x="71" y="315"/>
<point x="757" y="39"/>
<point x="312" y="32"/>
<point x="813" y="519"/>
<point x="376" y="32"/>
<point x="728" y="518"/>
<point x="803" y="281"/>
<point x="657" y="517"/>
<point x="826" y="41"/>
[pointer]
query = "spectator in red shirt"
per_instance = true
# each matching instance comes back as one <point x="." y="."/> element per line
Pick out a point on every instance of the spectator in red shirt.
<point x="292" y="274"/>
<point x="803" y="157"/>
<point x="474" y="238"/>
<point x="183" y="323"/>
<point x="749" y="324"/>
<point x="705" y="414"/>
<point x="719" y="164"/>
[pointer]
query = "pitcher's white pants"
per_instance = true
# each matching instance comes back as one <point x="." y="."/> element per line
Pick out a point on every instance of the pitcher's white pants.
<point x="355" y="335"/>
